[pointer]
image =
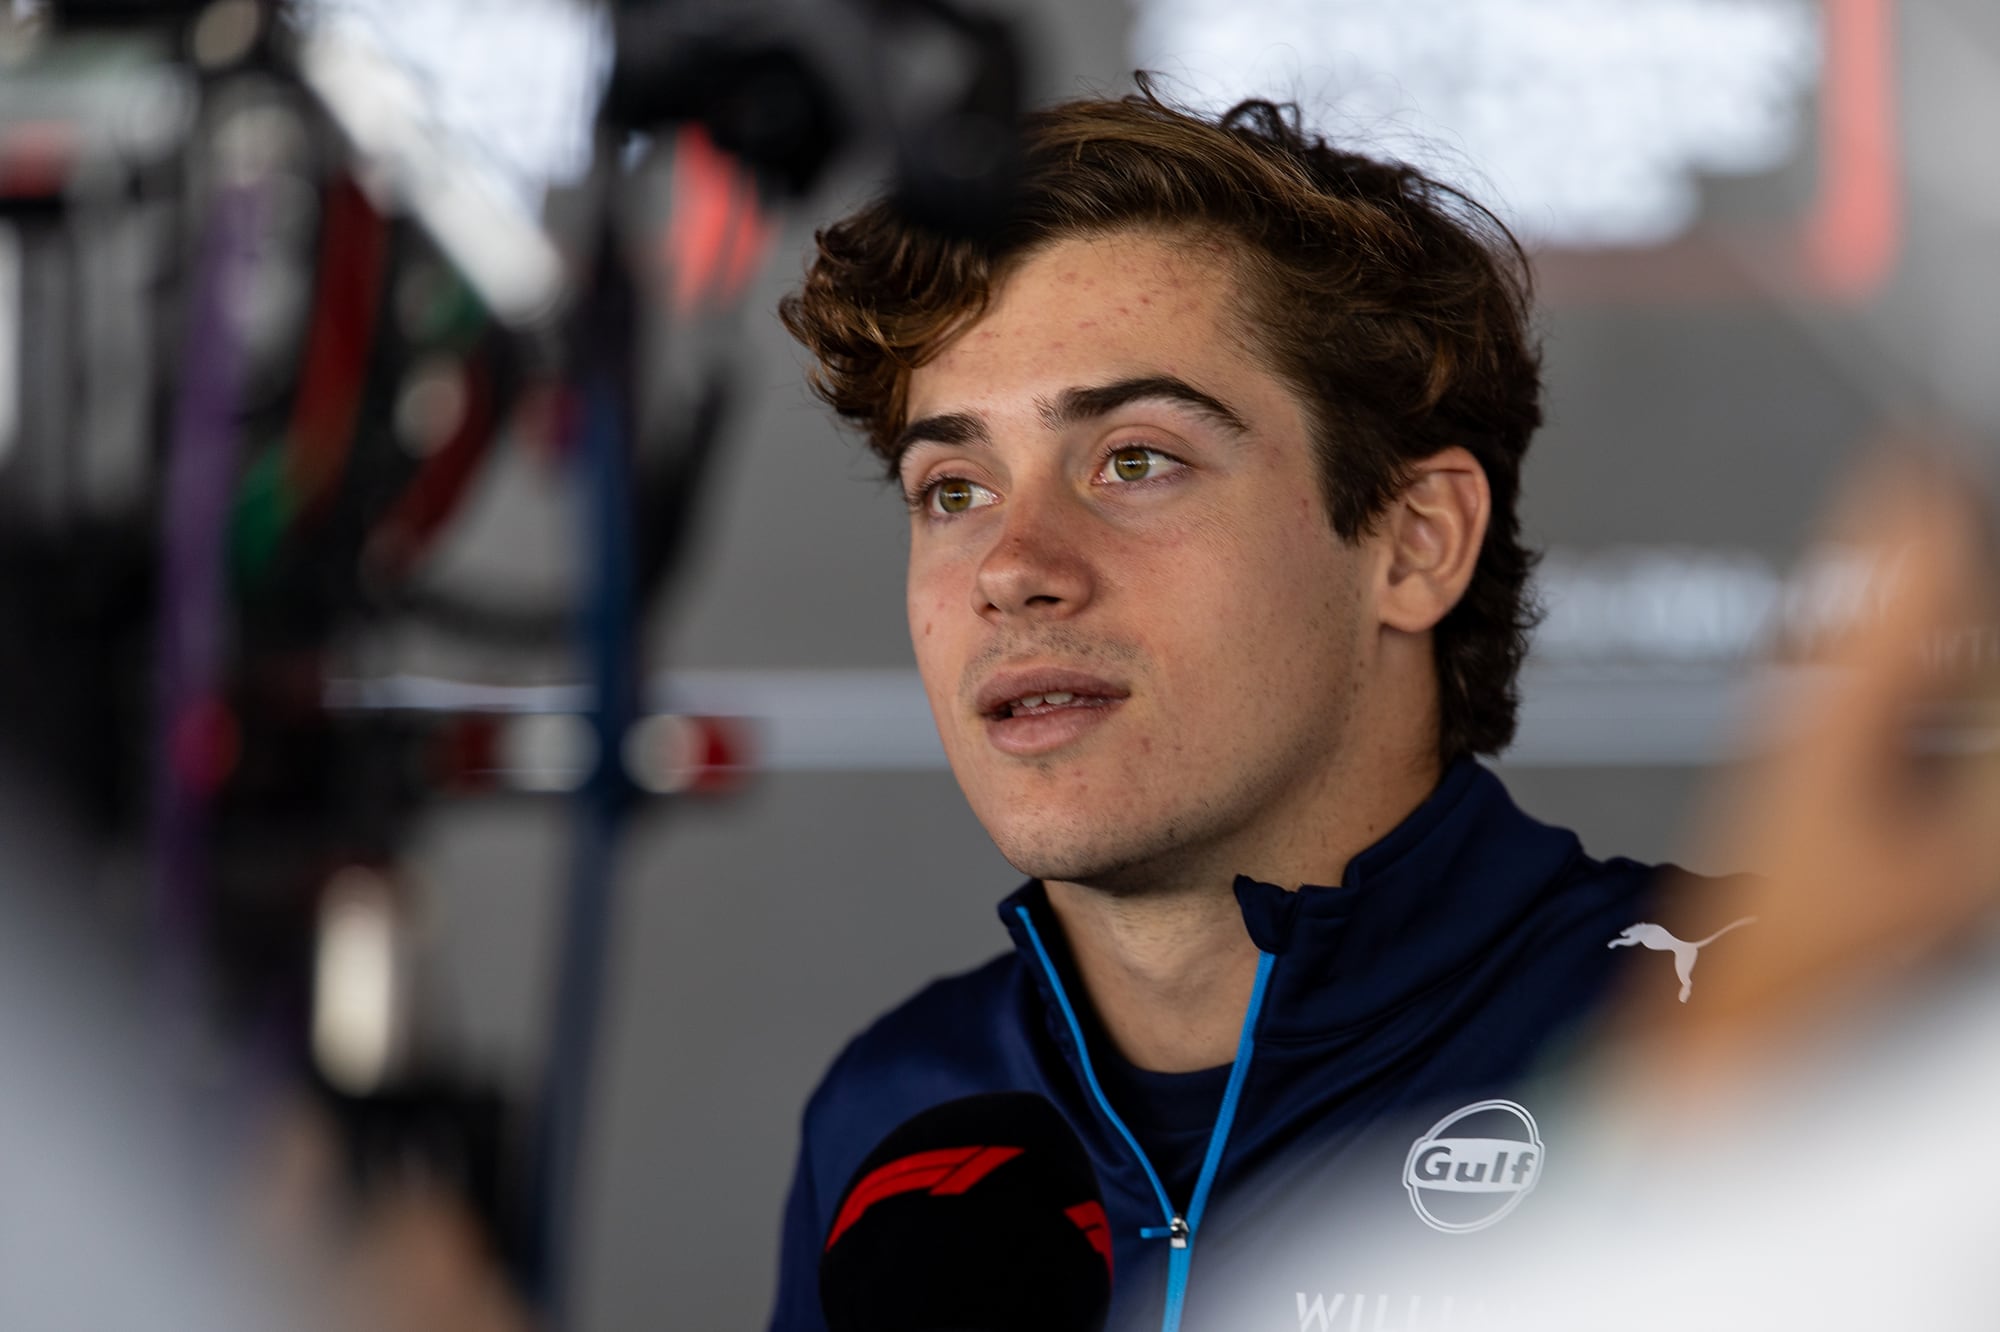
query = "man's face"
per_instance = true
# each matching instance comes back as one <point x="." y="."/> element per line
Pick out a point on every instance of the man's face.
<point x="1140" y="636"/>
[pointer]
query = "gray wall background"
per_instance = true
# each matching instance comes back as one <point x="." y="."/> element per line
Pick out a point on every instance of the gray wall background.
<point x="758" y="931"/>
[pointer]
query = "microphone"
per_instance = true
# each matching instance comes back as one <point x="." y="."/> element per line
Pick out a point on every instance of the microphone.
<point x="978" y="1215"/>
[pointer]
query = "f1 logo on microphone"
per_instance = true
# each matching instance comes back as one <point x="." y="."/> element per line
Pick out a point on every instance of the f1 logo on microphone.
<point x="944" y="1172"/>
<point x="953" y="1170"/>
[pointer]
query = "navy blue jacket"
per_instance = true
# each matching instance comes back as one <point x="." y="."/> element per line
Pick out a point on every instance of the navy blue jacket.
<point x="1457" y="955"/>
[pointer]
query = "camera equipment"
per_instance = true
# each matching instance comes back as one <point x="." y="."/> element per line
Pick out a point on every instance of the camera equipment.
<point x="266" y="320"/>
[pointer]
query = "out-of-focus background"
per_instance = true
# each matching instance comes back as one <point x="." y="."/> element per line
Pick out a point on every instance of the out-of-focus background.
<point x="337" y="724"/>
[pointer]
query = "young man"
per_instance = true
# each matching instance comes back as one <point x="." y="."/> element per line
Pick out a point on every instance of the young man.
<point x="1215" y="585"/>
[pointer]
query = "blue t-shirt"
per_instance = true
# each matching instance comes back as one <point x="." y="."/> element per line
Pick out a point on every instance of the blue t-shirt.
<point x="1170" y="1113"/>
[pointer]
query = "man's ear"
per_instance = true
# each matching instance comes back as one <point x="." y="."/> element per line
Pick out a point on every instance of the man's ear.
<point x="1432" y="532"/>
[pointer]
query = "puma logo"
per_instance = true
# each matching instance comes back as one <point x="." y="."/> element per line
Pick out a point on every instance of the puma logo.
<point x="1648" y="935"/>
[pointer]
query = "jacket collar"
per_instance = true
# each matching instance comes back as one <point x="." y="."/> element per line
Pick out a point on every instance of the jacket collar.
<point x="1411" y="910"/>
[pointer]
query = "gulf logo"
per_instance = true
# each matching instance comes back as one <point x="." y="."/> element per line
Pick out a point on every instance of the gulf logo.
<point x="1474" y="1166"/>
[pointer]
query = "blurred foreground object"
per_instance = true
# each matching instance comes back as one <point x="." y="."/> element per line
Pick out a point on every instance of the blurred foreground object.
<point x="1870" y="813"/>
<point x="268" y="313"/>
<point x="404" y="1257"/>
<point x="1790" y="1149"/>
<point x="112" y="1218"/>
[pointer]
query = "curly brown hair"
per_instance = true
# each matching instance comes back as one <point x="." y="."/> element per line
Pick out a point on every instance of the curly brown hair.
<point x="1393" y="304"/>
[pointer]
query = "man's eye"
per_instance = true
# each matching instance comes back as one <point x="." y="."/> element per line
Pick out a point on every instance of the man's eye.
<point x="957" y="495"/>
<point x="1136" y="463"/>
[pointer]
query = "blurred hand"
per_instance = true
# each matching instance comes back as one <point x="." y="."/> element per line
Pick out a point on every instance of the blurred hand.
<point x="1878" y="846"/>
<point x="418" y="1263"/>
<point x="411" y="1258"/>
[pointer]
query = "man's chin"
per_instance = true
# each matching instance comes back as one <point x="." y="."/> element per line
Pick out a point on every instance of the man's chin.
<point x="1064" y="831"/>
<point x="1113" y="866"/>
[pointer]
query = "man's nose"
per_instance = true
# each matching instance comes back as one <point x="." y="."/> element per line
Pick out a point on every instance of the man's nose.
<point x="1038" y="564"/>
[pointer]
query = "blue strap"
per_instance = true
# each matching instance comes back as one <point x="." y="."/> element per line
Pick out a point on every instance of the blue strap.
<point x="1239" y="1073"/>
<point x="1090" y="1074"/>
<point x="1179" y="1260"/>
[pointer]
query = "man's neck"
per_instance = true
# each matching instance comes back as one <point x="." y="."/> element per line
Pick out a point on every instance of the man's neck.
<point x="1169" y="978"/>
<point x="1169" y="971"/>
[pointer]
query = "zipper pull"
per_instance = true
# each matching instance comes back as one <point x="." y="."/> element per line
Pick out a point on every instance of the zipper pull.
<point x="1177" y="1232"/>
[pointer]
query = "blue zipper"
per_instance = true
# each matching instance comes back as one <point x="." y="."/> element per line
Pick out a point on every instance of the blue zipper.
<point x="1179" y="1231"/>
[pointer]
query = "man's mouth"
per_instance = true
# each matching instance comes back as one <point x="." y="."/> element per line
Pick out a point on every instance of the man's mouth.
<point x="1035" y="691"/>
<point x="1041" y="705"/>
<point x="1039" y="710"/>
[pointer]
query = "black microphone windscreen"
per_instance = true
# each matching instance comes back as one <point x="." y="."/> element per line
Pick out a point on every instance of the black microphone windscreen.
<point x="978" y="1215"/>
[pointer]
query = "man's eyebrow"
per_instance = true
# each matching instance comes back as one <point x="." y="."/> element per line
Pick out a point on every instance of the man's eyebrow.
<point x="1071" y="407"/>
<point x="1083" y="404"/>
<point x="953" y="428"/>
